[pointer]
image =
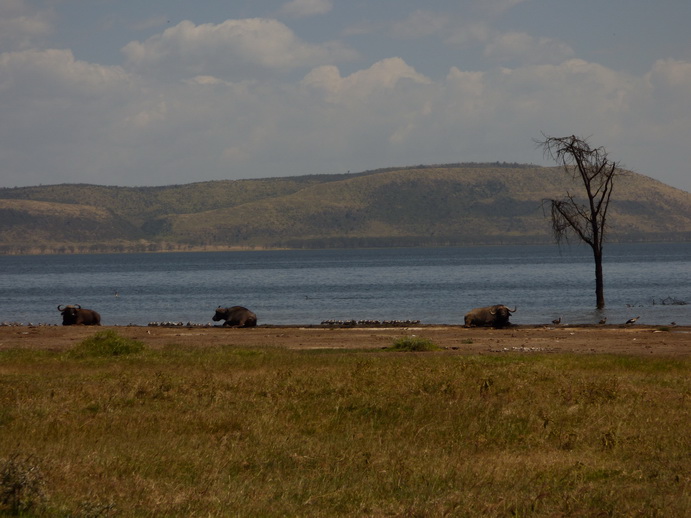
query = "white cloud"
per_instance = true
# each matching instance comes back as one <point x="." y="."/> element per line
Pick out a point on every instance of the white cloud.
<point x="59" y="116"/>
<point x="383" y="75"/>
<point x="527" y="49"/>
<point x="232" y="49"/>
<point x="306" y="8"/>
<point x="468" y="33"/>
<point x="22" y="26"/>
<point x="496" y="7"/>
<point x="672" y="77"/>
<point x="56" y="73"/>
<point x="421" y="24"/>
<point x="451" y="30"/>
<point x="149" y="116"/>
<point x="150" y="23"/>
<point x="663" y="106"/>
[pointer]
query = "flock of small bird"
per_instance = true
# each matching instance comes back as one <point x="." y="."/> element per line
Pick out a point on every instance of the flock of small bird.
<point x="332" y="323"/>
<point x="370" y="323"/>
<point x="153" y="324"/>
<point x="602" y="322"/>
<point x="178" y="324"/>
<point x="29" y="324"/>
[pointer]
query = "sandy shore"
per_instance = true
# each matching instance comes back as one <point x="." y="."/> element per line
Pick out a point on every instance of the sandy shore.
<point x="634" y="340"/>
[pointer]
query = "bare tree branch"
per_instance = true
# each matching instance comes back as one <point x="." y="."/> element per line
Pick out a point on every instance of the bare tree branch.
<point x="588" y="221"/>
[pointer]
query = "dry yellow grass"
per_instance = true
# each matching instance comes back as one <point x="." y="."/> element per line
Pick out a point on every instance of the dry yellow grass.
<point x="227" y="430"/>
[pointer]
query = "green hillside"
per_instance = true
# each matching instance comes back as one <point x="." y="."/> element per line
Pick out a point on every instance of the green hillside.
<point x="420" y="206"/>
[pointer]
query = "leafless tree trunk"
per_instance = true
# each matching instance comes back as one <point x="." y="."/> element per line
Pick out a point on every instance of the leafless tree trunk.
<point x="584" y="216"/>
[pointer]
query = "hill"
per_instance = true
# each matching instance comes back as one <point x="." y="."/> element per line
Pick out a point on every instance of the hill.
<point x="416" y="206"/>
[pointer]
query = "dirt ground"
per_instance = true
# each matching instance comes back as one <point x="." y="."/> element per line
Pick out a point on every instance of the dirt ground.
<point x="633" y="340"/>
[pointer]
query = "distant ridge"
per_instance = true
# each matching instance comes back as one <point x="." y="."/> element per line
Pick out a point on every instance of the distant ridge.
<point x="434" y="205"/>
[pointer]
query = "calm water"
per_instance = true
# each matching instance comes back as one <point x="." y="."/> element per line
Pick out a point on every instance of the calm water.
<point x="433" y="285"/>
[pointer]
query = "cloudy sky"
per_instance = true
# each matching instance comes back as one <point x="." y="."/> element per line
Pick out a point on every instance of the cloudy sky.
<point x="156" y="92"/>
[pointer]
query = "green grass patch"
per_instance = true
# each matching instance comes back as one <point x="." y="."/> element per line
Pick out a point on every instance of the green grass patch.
<point x="106" y="344"/>
<point x="413" y="343"/>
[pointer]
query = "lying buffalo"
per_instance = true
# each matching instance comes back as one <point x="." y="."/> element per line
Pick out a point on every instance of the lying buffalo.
<point x="236" y="316"/>
<point x="77" y="316"/>
<point x="490" y="316"/>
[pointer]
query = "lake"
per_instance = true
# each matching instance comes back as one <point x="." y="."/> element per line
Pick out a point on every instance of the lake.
<point x="432" y="285"/>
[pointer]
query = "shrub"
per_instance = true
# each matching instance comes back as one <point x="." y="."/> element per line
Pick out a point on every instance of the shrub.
<point x="413" y="343"/>
<point x="107" y="343"/>
<point x="21" y="486"/>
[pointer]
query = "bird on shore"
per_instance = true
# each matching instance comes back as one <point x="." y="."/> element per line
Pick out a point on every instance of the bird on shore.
<point x="632" y="320"/>
<point x="556" y="321"/>
<point x="603" y="321"/>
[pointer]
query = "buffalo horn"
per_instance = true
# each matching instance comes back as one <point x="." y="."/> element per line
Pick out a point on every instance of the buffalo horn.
<point x="61" y="307"/>
<point x="77" y="306"/>
<point x="513" y="310"/>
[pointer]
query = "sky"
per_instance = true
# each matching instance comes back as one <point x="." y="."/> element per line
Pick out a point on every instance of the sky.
<point x="154" y="92"/>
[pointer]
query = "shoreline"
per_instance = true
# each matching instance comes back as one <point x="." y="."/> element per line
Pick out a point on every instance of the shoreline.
<point x="639" y="340"/>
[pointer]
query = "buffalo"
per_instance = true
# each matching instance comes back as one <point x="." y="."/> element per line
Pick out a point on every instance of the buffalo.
<point x="489" y="316"/>
<point x="78" y="316"/>
<point x="235" y="316"/>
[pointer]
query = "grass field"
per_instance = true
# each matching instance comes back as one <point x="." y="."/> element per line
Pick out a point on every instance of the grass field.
<point x="268" y="431"/>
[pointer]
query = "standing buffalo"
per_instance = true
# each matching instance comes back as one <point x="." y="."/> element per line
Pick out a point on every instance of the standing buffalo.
<point x="490" y="316"/>
<point x="76" y="316"/>
<point x="236" y="316"/>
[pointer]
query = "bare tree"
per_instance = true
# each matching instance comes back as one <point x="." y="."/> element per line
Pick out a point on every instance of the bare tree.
<point x="584" y="216"/>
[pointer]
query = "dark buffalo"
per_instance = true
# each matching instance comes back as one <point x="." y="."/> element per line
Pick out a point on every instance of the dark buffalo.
<point x="77" y="316"/>
<point x="490" y="316"/>
<point x="236" y="316"/>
